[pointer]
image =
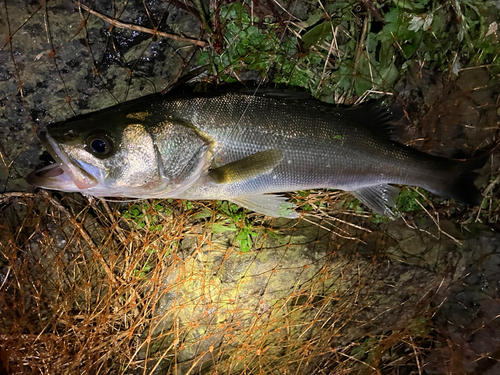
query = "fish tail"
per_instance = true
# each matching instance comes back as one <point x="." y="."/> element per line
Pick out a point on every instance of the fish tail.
<point x="460" y="182"/>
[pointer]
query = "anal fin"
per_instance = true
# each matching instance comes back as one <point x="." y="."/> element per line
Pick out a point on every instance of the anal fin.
<point x="380" y="198"/>
<point x="267" y="204"/>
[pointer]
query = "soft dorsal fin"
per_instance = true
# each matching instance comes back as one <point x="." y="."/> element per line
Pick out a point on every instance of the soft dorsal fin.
<point x="248" y="167"/>
<point x="377" y="117"/>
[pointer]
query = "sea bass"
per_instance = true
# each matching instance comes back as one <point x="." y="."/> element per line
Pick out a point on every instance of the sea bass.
<point x="243" y="147"/>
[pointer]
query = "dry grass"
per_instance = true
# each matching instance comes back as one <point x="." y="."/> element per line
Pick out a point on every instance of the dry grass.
<point x="84" y="291"/>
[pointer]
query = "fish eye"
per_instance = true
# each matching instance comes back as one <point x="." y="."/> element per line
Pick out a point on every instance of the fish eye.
<point x="99" y="145"/>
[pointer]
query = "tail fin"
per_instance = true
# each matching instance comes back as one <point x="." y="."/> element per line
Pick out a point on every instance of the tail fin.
<point x="461" y="186"/>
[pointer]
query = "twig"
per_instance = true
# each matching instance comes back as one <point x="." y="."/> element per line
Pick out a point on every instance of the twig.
<point x="360" y="45"/>
<point x="286" y="11"/>
<point x="5" y="279"/>
<point x="436" y="221"/>
<point x="373" y="10"/>
<point x="329" y="217"/>
<point x="124" y="25"/>
<point x="330" y="50"/>
<point x="4" y="197"/>
<point x="334" y="232"/>
<point x="116" y="227"/>
<point x="416" y="356"/>
<point x="359" y="50"/>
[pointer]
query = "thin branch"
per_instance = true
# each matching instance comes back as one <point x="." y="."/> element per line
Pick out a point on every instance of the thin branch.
<point x="124" y="25"/>
<point x="360" y="49"/>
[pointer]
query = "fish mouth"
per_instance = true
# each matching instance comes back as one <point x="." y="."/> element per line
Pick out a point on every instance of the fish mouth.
<point x="65" y="174"/>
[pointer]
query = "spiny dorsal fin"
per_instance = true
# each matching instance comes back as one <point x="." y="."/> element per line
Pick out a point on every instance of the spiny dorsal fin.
<point x="248" y="167"/>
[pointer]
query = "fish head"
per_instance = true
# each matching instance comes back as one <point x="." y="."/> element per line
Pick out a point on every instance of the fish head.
<point x="101" y="155"/>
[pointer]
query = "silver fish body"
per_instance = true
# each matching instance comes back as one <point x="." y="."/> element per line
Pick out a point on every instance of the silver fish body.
<point x="243" y="148"/>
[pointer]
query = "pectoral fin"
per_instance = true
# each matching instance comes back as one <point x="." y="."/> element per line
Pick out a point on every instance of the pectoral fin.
<point x="267" y="204"/>
<point x="380" y="198"/>
<point x="246" y="168"/>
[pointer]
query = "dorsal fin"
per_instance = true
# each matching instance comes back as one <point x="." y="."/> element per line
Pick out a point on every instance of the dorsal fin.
<point x="373" y="115"/>
<point x="377" y="117"/>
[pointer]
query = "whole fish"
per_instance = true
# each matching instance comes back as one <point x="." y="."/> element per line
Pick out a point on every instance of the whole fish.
<point x="243" y="147"/>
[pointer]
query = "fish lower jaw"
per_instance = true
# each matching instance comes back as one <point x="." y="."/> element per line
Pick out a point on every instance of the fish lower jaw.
<point x="51" y="177"/>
